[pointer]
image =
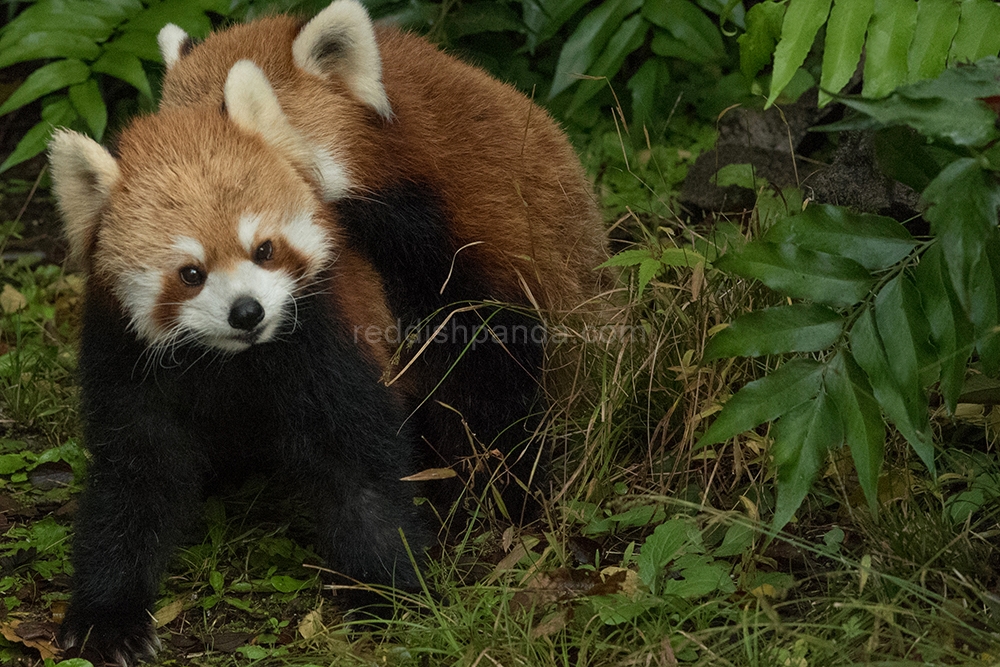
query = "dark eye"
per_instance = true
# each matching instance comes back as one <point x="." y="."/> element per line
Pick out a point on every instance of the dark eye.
<point x="192" y="276"/>
<point x="264" y="252"/>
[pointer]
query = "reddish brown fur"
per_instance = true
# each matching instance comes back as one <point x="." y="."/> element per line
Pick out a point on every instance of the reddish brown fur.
<point x="454" y="128"/>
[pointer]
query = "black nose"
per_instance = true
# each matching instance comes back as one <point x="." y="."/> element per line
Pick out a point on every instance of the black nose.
<point x="245" y="314"/>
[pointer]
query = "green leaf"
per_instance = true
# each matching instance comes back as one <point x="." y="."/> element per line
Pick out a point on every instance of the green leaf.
<point x="286" y="584"/>
<point x="985" y="310"/>
<point x="681" y="257"/>
<point x="951" y="330"/>
<point x="937" y="22"/>
<point x="901" y="404"/>
<point x="765" y="400"/>
<point x="187" y="15"/>
<point x="903" y="154"/>
<point x="138" y="43"/>
<point x="58" y="113"/>
<point x="480" y="17"/>
<point x="659" y="549"/>
<point x="802" y="439"/>
<point x="873" y="241"/>
<point x="763" y="30"/>
<point x="739" y="538"/>
<point x="126" y="67"/>
<point x="87" y="100"/>
<point x="964" y="202"/>
<point x="861" y="419"/>
<point x="688" y="25"/>
<point x="978" y="32"/>
<point x="966" y="122"/>
<point x="744" y="175"/>
<point x="632" y="257"/>
<point x="959" y="83"/>
<point x="889" y="36"/>
<point x="45" y="45"/>
<point x="699" y="579"/>
<point x="779" y="330"/>
<point x="800" y="273"/>
<point x="588" y="41"/>
<point x="802" y="21"/>
<point x="626" y="39"/>
<point x="543" y="19"/>
<point x="906" y="338"/>
<point x="44" y="80"/>
<point x="647" y="86"/>
<point x="845" y="35"/>
<point x="80" y="18"/>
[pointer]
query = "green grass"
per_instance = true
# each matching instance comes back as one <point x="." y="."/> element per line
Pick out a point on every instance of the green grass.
<point x="651" y="551"/>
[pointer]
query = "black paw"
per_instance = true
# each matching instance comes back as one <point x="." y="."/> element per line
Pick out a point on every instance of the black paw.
<point x="124" y="643"/>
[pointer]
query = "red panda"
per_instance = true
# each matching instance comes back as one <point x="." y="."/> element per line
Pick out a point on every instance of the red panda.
<point x="456" y="187"/>
<point x="306" y="194"/>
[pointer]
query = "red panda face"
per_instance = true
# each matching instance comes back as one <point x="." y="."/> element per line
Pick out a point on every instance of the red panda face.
<point x="208" y="235"/>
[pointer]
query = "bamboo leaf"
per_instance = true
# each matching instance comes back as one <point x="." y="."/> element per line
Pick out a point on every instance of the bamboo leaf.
<point x="54" y="44"/>
<point x="55" y="114"/>
<point x="873" y="241"/>
<point x="802" y="439"/>
<point x="689" y="25"/>
<point x="126" y="67"/>
<point x="803" y="19"/>
<point x="800" y="273"/>
<point x="765" y="400"/>
<point x="780" y="330"/>
<point x="937" y="23"/>
<point x="44" y="80"/>
<point x="890" y="33"/>
<point x="87" y="100"/>
<point x="626" y="39"/>
<point x="862" y="422"/>
<point x="588" y="41"/>
<point x="845" y="36"/>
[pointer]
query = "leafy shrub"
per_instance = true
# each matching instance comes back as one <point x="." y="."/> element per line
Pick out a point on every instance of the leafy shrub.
<point x="880" y="317"/>
<point x="904" y="41"/>
<point x="91" y="45"/>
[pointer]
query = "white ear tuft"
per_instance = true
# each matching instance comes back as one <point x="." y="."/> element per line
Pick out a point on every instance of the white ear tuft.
<point x="252" y="104"/>
<point x="83" y="173"/>
<point x="172" y="41"/>
<point x="340" y="41"/>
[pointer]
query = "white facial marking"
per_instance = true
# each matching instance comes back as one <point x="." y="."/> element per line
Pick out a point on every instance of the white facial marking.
<point x="186" y="245"/>
<point x="308" y="238"/>
<point x="207" y="314"/>
<point x="139" y="293"/>
<point x="247" y="230"/>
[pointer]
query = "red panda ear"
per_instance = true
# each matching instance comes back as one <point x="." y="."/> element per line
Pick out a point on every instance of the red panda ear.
<point x="83" y="174"/>
<point x="340" y="42"/>
<point x="173" y="43"/>
<point x="253" y="106"/>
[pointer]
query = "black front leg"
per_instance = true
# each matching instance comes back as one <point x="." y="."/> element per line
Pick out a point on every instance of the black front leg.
<point x="143" y="490"/>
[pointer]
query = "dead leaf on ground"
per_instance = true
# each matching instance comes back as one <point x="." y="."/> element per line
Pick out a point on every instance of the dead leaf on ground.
<point x="227" y="642"/>
<point x="565" y="584"/>
<point x="168" y="612"/>
<point x="39" y="635"/>
<point x="311" y="624"/>
<point x="11" y="300"/>
<point x="551" y="624"/>
<point x="430" y="474"/>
